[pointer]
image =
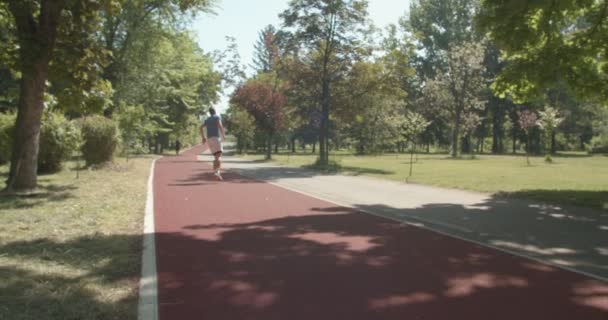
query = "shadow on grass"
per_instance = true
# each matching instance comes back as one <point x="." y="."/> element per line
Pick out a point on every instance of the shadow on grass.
<point x="334" y="168"/>
<point x="92" y="277"/>
<point x="44" y="193"/>
<point x="462" y="158"/>
<point x="583" y="198"/>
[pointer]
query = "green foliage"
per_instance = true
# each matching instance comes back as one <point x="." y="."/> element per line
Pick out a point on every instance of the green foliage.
<point x="546" y="42"/>
<point x="8" y="80"/>
<point x="7" y="126"/>
<point x="457" y="91"/>
<point x="133" y="126"/>
<point x="241" y="125"/>
<point x="412" y="125"/>
<point x="59" y="138"/>
<point x="548" y="122"/>
<point x="324" y="38"/>
<point x="171" y="87"/>
<point x="599" y="143"/>
<point x="266" y="50"/>
<point x="100" y="139"/>
<point x="436" y="26"/>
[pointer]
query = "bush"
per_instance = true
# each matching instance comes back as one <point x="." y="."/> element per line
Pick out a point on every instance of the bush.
<point x="7" y="126"/>
<point x="100" y="139"/>
<point x="58" y="140"/>
<point x="599" y="144"/>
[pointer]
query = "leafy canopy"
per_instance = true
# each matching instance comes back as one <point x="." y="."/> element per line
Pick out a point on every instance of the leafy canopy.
<point x="546" y="42"/>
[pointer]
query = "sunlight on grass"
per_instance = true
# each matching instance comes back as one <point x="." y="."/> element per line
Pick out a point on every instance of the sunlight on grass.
<point x="72" y="250"/>
<point x="572" y="178"/>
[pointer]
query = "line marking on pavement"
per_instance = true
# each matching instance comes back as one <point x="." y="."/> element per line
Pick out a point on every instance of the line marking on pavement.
<point x="416" y="222"/>
<point x="148" y="288"/>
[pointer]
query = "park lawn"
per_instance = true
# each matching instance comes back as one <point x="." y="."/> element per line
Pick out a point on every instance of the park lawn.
<point x="574" y="179"/>
<point x="73" y="250"/>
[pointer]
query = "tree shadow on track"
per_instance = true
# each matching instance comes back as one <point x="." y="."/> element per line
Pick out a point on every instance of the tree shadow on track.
<point x="567" y="236"/>
<point x="347" y="265"/>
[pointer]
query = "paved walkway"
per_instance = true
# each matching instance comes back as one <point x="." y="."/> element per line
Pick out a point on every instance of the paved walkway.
<point x="246" y="249"/>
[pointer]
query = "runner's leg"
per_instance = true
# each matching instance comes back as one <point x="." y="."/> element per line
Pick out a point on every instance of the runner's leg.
<point x="217" y="165"/>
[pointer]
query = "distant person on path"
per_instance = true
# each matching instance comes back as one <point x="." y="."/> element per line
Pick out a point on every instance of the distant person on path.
<point x="211" y="136"/>
<point x="178" y="146"/>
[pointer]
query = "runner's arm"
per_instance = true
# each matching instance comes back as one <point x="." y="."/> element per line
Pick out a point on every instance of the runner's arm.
<point x="221" y="127"/>
<point x="202" y="132"/>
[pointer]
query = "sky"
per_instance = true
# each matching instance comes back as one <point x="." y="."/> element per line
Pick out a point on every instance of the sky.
<point x="243" y="19"/>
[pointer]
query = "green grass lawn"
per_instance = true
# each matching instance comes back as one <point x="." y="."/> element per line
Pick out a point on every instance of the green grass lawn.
<point x="572" y="178"/>
<point x="73" y="250"/>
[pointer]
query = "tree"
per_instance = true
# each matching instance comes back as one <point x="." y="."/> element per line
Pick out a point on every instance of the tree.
<point x="412" y="126"/>
<point x="457" y="91"/>
<point x="133" y="124"/>
<point x="266" y="50"/>
<point x="599" y="143"/>
<point x="8" y="44"/>
<point x="436" y="26"/>
<point x="241" y="125"/>
<point x="367" y="99"/>
<point x="527" y="121"/>
<point x="48" y="31"/>
<point x="137" y="23"/>
<point x="432" y="28"/>
<point x="470" y="122"/>
<point x="265" y="102"/>
<point x="324" y="35"/>
<point x="548" y="122"/>
<point x="175" y="85"/>
<point x="545" y="42"/>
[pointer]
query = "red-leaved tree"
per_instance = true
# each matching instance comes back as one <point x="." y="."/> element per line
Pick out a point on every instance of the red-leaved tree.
<point x="266" y="104"/>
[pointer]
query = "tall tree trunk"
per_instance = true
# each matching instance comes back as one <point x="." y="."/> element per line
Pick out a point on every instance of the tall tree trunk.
<point x="269" y="147"/>
<point x="293" y="145"/>
<point x="157" y="144"/>
<point x="314" y="147"/>
<point x="515" y="140"/>
<point x="36" y="34"/>
<point x="553" y="143"/>
<point x="24" y="162"/>
<point x="323" y="156"/>
<point x="456" y="135"/>
<point x="495" y="136"/>
<point x="498" y="115"/>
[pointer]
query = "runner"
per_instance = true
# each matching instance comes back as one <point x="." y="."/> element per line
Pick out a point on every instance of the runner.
<point x="211" y="136"/>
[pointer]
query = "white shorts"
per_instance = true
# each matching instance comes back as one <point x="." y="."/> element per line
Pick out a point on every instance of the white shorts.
<point x="215" y="145"/>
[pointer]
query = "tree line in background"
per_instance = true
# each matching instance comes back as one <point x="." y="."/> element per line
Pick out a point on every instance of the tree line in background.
<point x="462" y="76"/>
<point x="96" y="75"/>
<point x="470" y="76"/>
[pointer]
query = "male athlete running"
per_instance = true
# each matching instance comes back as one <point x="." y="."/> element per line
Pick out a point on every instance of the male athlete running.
<point x="211" y="136"/>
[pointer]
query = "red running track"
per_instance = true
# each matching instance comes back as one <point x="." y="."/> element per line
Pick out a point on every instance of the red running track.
<point x="244" y="249"/>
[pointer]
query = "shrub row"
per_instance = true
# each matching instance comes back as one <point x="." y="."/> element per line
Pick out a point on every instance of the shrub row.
<point x="95" y="136"/>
